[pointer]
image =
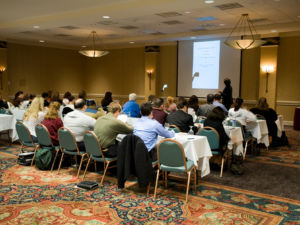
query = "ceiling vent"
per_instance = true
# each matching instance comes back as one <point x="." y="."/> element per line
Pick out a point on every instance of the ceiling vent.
<point x="229" y="6"/>
<point x="173" y="22"/>
<point x="69" y="27"/>
<point x="157" y="33"/>
<point x="108" y="22"/>
<point x="168" y="14"/>
<point x="260" y="20"/>
<point x="63" y="35"/>
<point x="129" y="27"/>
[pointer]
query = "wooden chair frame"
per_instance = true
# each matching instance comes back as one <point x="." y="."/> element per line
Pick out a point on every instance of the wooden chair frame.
<point x="174" y="126"/>
<point x="106" y="163"/>
<point x="186" y="170"/>
<point x="78" y="152"/>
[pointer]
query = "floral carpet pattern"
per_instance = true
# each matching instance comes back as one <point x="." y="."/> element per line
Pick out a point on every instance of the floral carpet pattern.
<point x="31" y="196"/>
<point x="284" y="156"/>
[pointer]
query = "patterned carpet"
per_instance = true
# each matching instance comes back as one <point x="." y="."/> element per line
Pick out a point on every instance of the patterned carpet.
<point x="31" y="196"/>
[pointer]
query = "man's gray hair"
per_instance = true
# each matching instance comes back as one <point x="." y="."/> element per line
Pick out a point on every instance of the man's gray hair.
<point x="132" y="96"/>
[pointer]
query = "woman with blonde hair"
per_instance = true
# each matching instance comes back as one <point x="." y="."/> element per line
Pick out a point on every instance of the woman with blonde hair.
<point x="170" y="104"/>
<point x="34" y="115"/>
<point x="53" y="122"/>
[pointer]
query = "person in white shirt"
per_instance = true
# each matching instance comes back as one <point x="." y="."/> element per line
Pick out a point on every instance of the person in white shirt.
<point x="34" y="115"/>
<point x="240" y="114"/>
<point x="78" y="122"/>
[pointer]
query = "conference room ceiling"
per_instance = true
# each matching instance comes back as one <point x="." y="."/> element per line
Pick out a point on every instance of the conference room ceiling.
<point x="67" y="23"/>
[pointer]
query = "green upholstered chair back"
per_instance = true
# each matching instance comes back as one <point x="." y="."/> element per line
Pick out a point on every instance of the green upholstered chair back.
<point x="174" y="128"/>
<point x="5" y="111"/>
<point x="92" y="145"/>
<point x="43" y="136"/>
<point x="212" y="136"/>
<point x="24" y="134"/>
<point x="171" y="153"/>
<point x="67" y="140"/>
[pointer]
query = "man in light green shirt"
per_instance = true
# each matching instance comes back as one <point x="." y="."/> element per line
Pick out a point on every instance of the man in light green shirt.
<point x="108" y="127"/>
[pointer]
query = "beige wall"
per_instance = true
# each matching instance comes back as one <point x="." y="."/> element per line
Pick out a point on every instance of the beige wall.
<point x="37" y="69"/>
<point x="3" y="75"/>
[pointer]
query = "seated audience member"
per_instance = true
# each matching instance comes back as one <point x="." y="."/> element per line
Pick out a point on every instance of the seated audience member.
<point x="69" y="107"/>
<point x="106" y="100"/>
<point x="181" y="118"/>
<point x="170" y="104"/>
<point x="158" y="111"/>
<point x="214" y="120"/>
<point x="19" y="94"/>
<point x="3" y="103"/>
<point x="148" y="129"/>
<point x="108" y="127"/>
<point x="78" y="122"/>
<point x="151" y="99"/>
<point x="34" y="115"/>
<point x="205" y="109"/>
<point x="193" y="106"/>
<point x="131" y="108"/>
<point x="53" y="122"/>
<point x="47" y="98"/>
<point x="82" y="95"/>
<point x="262" y="108"/>
<point x="217" y="102"/>
<point x="18" y="103"/>
<point x="92" y="111"/>
<point x="242" y="115"/>
<point x="66" y="98"/>
<point x="55" y="98"/>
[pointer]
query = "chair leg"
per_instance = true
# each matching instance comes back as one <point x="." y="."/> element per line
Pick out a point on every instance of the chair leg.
<point x="61" y="158"/>
<point x="195" y="180"/>
<point x="35" y="150"/>
<point x="76" y="161"/>
<point x="82" y="158"/>
<point x="156" y="181"/>
<point x="105" y="169"/>
<point x="166" y="179"/>
<point x="87" y="165"/>
<point x="148" y="189"/>
<point x="95" y="164"/>
<point x="188" y="186"/>
<point x="54" y="160"/>
<point x="222" y="165"/>
<point x="245" y="150"/>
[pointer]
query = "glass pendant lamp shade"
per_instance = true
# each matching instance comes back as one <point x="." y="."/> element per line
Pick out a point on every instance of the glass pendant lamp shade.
<point x="91" y="51"/>
<point x="244" y="29"/>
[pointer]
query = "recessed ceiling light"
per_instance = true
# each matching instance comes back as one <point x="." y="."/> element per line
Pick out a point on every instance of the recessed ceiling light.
<point x="105" y="17"/>
<point x="187" y="12"/>
<point x="222" y="24"/>
<point x="36" y="27"/>
<point x="273" y="31"/>
<point x="131" y="42"/>
<point x="209" y="1"/>
<point x="42" y="41"/>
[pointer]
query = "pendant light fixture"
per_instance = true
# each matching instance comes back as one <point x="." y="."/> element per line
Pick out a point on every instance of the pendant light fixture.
<point x="89" y="48"/>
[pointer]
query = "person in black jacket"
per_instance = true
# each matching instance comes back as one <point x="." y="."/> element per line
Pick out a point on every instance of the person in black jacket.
<point x="214" y="120"/>
<point x="227" y="94"/>
<point x="181" y="118"/>
<point x="262" y="108"/>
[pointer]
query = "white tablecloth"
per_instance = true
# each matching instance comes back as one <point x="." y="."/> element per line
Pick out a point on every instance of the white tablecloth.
<point x="280" y="126"/>
<point x="8" y="122"/>
<point x="236" y="139"/>
<point x="196" y="148"/>
<point x="259" y="130"/>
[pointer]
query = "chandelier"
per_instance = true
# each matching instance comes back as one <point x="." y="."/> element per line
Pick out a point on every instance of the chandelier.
<point x="90" y="50"/>
<point x="246" y="30"/>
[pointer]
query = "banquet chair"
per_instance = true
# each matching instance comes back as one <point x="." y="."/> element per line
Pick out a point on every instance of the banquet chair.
<point x="95" y="152"/>
<point x="25" y="137"/>
<point x="44" y="141"/>
<point x="69" y="146"/>
<point x="174" y="128"/>
<point x="171" y="158"/>
<point x="213" y="138"/>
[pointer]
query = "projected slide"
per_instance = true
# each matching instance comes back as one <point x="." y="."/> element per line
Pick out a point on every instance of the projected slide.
<point x="206" y="59"/>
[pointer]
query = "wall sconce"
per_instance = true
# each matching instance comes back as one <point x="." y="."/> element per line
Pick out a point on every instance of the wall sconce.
<point x="149" y="72"/>
<point x="2" y="69"/>
<point x="267" y="69"/>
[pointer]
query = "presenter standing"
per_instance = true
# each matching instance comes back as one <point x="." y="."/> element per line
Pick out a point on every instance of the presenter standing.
<point x="227" y="94"/>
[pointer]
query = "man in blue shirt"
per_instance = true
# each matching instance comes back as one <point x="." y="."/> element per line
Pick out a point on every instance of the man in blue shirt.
<point x="131" y="108"/>
<point x="148" y="129"/>
<point x="217" y="102"/>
